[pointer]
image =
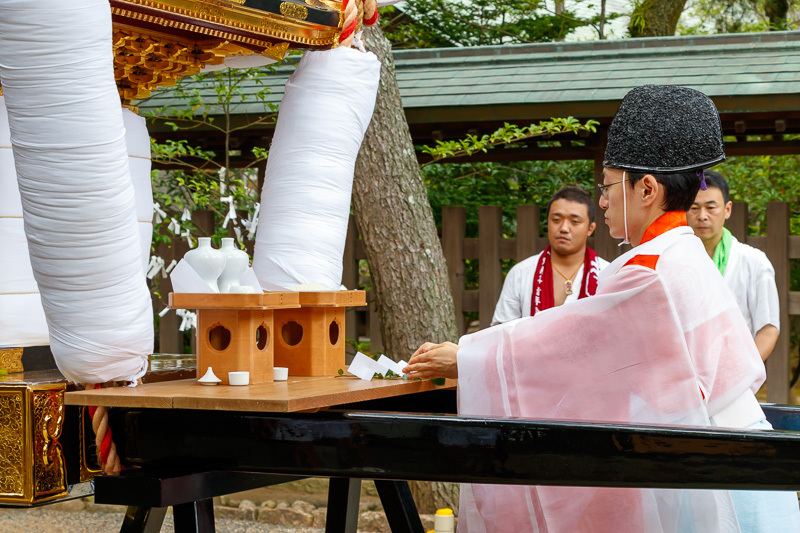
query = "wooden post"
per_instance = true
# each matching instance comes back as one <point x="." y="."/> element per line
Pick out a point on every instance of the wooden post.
<point x="261" y="172"/>
<point x="454" y="227"/>
<point x="527" y="231"/>
<point x="738" y="223"/>
<point x="170" y="340"/>
<point x="777" y="250"/>
<point x="490" y="272"/>
<point x="604" y="245"/>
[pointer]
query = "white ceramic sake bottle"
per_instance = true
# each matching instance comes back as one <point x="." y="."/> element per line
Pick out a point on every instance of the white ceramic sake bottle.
<point x="208" y="262"/>
<point x="236" y="263"/>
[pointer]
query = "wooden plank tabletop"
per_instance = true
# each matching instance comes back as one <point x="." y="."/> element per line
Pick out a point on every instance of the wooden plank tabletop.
<point x="296" y="394"/>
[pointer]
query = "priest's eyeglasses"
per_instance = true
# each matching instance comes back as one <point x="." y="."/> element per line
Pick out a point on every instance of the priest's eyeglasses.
<point x="603" y="188"/>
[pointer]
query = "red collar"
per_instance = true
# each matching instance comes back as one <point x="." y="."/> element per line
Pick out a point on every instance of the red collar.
<point x="664" y="223"/>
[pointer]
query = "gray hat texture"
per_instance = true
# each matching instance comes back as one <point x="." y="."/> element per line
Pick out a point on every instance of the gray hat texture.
<point x="664" y="128"/>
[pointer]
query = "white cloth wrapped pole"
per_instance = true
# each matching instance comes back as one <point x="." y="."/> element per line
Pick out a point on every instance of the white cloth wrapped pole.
<point x="305" y="203"/>
<point x="138" y="142"/>
<point x="67" y="133"/>
<point x="22" y="321"/>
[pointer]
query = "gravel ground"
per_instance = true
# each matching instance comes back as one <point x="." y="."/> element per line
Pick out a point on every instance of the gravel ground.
<point x="48" y="521"/>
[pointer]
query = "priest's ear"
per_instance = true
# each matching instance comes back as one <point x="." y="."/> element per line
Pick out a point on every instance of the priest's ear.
<point x="652" y="192"/>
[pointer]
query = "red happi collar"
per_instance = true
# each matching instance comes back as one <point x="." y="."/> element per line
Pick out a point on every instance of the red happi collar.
<point x="664" y="223"/>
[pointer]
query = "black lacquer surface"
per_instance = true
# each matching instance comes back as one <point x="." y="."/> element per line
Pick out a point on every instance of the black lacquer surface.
<point x="380" y="445"/>
<point x="315" y="14"/>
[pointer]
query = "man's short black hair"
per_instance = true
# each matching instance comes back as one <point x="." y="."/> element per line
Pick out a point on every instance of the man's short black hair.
<point x="680" y="188"/>
<point x="573" y="194"/>
<point x="715" y="179"/>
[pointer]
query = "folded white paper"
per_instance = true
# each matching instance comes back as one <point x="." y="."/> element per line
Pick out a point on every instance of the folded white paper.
<point x="249" y="279"/>
<point x="185" y="279"/>
<point x="365" y="367"/>
<point x="395" y="367"/>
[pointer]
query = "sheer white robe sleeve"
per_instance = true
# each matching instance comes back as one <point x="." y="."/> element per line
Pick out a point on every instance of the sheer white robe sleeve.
<point x="667" y="347"/>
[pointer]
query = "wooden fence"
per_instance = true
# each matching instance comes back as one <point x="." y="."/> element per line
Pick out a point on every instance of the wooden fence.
<point x="490" y="247"/>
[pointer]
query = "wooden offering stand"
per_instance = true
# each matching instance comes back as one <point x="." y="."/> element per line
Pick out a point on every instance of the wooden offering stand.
<point x="303" y="331"/>
<point x="235" y="332"/>
<point x="311" y="339"/>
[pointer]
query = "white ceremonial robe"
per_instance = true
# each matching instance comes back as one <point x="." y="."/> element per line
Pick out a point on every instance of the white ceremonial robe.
<point x="517" y="294"/>
<point x="656" y="346"/>
<point x="751" y="278"/>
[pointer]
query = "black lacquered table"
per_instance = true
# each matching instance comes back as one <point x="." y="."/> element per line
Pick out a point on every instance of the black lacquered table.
<point x="185" y="457"/>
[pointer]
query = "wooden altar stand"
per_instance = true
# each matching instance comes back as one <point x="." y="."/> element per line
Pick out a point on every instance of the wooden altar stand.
<point x="303" y="331"/>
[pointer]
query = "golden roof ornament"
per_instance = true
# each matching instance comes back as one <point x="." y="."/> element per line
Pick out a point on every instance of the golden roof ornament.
<point x="156" y="42"/>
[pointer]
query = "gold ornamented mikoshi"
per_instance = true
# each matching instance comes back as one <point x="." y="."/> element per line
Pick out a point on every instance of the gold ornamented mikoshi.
<point x="156" y="42"/>
<point x="32" y="467"/>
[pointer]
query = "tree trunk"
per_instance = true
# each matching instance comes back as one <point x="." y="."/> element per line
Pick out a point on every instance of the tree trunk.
<point x="394" y="217"/>
<point x="776" y="11"/>
<point x="655" y="18"/>
<point x="601" y="24"/>
<point x="406" y="262"/>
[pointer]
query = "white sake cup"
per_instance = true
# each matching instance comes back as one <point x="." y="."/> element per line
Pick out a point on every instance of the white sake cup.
<point x="238" y="378"/>
<point x="280" y="373"/>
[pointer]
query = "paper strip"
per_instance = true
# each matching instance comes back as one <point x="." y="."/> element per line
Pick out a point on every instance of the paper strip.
<point x="365" y="367"/>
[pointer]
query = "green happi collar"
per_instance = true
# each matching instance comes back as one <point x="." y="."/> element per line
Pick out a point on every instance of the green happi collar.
<point x="723" y="250"/>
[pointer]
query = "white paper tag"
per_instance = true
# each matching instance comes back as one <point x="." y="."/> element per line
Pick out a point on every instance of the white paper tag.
<point x="365" y="367"/>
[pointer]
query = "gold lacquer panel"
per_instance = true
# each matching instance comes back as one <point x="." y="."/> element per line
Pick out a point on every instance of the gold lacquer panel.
<point x="12" y="444"/>
<point x="32" y="467"/>
<point x="49" y="472"/>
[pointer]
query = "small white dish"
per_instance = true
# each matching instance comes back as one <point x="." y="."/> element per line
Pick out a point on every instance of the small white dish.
<point x="238" y="378"/>
<point x="209" y="378"/>
<point x="280" y="373"/>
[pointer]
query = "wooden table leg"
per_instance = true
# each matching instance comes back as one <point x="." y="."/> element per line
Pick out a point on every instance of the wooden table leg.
<point x="399" y="506"/>
<point x="143" y="519"/>
<point x="194" y="517"/>
<point x="343" y="497"/>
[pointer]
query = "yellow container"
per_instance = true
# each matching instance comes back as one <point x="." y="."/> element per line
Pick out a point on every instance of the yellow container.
<point x="444" y="521"/>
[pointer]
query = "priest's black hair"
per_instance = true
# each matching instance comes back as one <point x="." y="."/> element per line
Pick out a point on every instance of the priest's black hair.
<point x="680" y="187"/>
<point x="573" y="194"/>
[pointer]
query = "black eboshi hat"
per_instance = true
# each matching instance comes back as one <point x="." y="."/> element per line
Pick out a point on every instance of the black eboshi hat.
<point x="664" y="128"/>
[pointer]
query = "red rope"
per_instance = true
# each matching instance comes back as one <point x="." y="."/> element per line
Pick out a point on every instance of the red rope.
<point x="372" y="20"/>
<point x="105" y="447"/>
<point x="107" y="442"/>
<point x="348" y="31"/>
<point x="351" y="28"/>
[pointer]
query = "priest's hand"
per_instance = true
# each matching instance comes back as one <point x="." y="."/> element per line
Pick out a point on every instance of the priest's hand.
<point x="434" y="361"/>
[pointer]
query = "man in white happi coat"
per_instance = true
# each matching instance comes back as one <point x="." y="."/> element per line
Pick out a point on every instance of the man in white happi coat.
<point x="565" y="271"/>
<point x="662" y="342"/>
<point x="746" y="270"/>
